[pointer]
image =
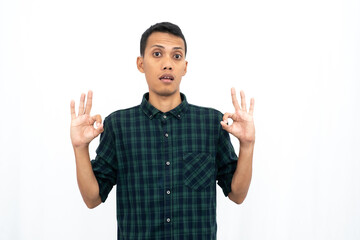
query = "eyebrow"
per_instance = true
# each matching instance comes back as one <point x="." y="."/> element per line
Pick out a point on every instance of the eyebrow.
<point x="160" y="46"/>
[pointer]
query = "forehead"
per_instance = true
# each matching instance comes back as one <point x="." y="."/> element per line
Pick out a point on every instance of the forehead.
<point x="166" y="40"/>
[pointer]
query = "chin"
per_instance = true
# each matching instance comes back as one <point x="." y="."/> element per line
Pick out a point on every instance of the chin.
<point x="166" y="92"/>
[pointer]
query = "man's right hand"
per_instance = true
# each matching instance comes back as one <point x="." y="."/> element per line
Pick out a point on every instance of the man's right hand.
<point x="82" y="130"/>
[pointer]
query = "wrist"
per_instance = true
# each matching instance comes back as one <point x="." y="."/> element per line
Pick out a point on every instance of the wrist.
<point x="247" y="145"/>
<point x="81" y="154"/>
<point x="81" y="148"/>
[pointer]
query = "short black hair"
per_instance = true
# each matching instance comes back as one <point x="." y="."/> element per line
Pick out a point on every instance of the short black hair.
<point x="165" y="27"/>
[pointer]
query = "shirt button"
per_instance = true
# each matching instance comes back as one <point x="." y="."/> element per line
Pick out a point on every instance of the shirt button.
<point x="166" y="135"/>
<point x="179" y="116"/>
<point x="168" y="192"/>
<point x="168" y="163"/>
<point x="164" y="116"/>
<point x="168" y="219"/>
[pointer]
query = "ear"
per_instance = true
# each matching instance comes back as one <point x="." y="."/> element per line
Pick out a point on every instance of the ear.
<point x="185" y="69"/>
<point x="140" y="64"/>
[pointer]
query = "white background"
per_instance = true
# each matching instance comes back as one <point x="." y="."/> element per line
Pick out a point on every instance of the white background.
<point x="298" y="59"/>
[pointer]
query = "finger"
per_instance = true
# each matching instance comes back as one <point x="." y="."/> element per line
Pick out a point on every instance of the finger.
<point x="96" y="118"/>
<point x="252" y="103"/>
<point x="99" y="130"/>
<point x="72" y="109"/>
<point x="225" y="126"/>
<point x="226" y="116"/>
<point x="243" y="102"/>
<point x="88" y="102"/>
<point x="81" y="106"/>
<point x="234" y="99"/>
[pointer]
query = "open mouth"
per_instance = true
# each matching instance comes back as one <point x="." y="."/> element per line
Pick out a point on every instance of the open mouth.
<point x="166" y="78"/>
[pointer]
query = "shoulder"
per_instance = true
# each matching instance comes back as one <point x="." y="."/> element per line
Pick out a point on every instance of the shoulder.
<point x="122" y="114"/>
<point x="208" y="111"/>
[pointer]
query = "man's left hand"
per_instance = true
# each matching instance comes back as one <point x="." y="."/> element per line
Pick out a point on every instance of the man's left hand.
<point x="243" y="127"/>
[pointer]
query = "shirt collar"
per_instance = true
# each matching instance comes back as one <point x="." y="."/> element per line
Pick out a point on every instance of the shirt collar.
<point x="151" y="111"/>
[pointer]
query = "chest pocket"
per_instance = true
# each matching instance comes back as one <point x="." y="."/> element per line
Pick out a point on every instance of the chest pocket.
<point x="199" y="170"/>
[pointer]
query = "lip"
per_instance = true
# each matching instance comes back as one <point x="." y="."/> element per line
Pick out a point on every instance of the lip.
<point x="164" y="80"/>
<point x="166" y="77"/>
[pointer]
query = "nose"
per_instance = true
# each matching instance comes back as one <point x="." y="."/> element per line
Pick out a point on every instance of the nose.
<point x="167" y="68"/>
<point x="167" y="64"/>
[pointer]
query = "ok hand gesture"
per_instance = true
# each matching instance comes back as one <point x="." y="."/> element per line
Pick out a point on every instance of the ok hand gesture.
<point x="243" y="126"/>
<point x="82" y="130"/>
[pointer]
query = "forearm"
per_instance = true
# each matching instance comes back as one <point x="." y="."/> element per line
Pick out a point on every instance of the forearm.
<point x="86" y="179"/>
<point x="242" y="177"/>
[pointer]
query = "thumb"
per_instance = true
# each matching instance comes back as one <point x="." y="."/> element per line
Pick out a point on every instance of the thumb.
<point x="98" y="130"/>
<point x="96" y="118"/>
<point x="224" y="122"/>
<point x="225" y="126"/>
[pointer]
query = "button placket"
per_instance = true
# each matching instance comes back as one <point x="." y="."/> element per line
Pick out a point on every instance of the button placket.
<point x="167" y="174"/>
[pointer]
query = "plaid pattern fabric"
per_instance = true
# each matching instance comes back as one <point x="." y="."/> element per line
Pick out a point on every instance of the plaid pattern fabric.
<point x="165" y="166"/>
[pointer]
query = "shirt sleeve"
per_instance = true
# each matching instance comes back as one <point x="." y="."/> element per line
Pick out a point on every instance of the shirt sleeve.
<point x="105" y="163"/>
<point x="226" y="160"/>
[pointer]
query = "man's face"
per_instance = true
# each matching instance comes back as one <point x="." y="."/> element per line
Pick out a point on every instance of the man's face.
<point x="163" y="63"/>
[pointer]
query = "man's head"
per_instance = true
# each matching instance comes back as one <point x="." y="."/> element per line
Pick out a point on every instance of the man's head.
<point x="164" y="27"/>
<point x="163" y="51"/>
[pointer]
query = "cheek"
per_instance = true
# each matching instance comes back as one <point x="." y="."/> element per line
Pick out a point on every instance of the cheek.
<point x="151" y="77"/>
<point x="148" y="64"/>
<point x="183" y="69"/>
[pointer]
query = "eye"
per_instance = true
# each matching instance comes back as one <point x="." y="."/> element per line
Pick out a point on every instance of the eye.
<point x="177" y="56"/>
<point x="156" y="54"/>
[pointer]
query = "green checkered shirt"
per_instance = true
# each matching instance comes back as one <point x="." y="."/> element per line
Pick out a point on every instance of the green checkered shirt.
<point x="165" y="166"/>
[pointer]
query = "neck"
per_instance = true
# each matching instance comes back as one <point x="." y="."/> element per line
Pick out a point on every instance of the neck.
<point x="165" y="103"/>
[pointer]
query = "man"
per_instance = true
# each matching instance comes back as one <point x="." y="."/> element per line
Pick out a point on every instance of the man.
<point x="165" y="154"/>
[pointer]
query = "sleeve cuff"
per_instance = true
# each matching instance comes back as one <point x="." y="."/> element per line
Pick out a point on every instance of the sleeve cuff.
<point x="226" y="185"/>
